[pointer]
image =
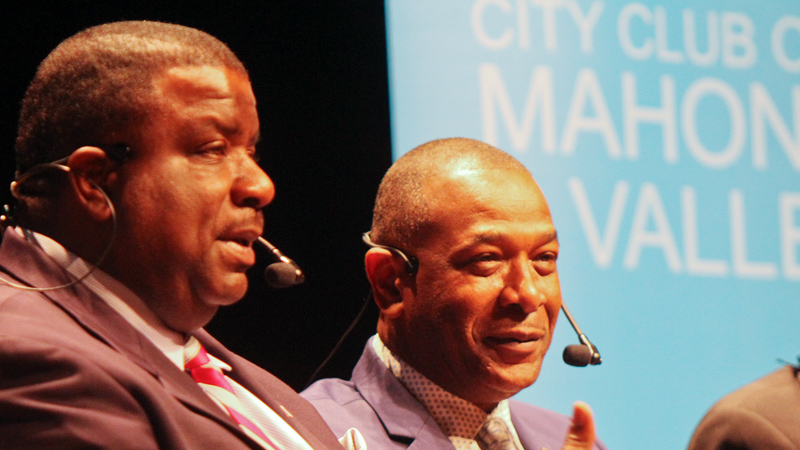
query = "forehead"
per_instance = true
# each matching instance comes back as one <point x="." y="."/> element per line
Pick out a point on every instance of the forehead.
<point x="192" y="84"/>
<point x="487" y="203"/>
<point x="187" y="100"/>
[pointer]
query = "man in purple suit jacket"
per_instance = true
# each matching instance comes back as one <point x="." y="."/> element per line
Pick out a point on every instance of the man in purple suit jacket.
<point x="138" y="203"/>
<point x="463" y="270"/>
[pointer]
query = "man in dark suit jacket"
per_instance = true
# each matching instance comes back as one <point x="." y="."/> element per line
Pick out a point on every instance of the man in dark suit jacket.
<point x="764" y="414"/>
<point x="463" y="270"/>
<point x="138" y="203"/>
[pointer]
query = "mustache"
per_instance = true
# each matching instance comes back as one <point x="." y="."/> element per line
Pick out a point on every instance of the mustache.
<point x="252" y="222"/>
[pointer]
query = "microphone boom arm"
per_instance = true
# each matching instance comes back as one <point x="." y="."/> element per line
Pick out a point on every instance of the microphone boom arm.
<point x="596" y="359"/>
<point x="279" y="281"/>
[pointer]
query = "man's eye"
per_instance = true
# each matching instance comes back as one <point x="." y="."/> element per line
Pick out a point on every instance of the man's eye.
<point x="212" y="150"/>
<point x="484" y="264"/>
<point x="548" y="256"/>
<point x="545" y="263"/>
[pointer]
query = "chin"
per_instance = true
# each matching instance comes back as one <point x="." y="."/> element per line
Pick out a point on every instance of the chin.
<point x="227" y="293"/>
<point x="492" y="392"/>
<point x="516" y="378"/>
<point x="225" y="299"/>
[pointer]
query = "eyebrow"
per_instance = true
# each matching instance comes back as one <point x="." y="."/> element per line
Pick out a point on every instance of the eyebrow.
<point x="490" y="236"/>
<point x="493" y="236"/>
<point x="231" y="129"/>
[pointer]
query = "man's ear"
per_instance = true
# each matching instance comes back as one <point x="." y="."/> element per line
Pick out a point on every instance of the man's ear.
<point x="386" y="273"/>
<point x="91" y="168"/>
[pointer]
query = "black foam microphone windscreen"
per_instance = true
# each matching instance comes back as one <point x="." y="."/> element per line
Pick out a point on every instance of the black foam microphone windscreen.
<point x="577" y="355"/>
<point x="281" y="275"/>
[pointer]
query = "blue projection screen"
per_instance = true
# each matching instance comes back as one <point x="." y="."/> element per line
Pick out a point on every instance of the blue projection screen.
<point x="666" y="137"/>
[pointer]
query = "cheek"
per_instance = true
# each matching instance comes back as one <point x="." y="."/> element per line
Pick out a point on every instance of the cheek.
<point x="552" y="292"/>
<point x="467" y="310"/>
<point x="456" y="303"/>
<point x="171" y="222"/>
<point x="553" y="308"/>
<point x="151" y="197"/>
<point x="437" y="309"/>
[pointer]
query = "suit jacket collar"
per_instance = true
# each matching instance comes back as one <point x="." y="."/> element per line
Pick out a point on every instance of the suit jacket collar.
<point x="541" y="434"/>
<point x="31" y="266"/>
<point x="268" y="388"/>
<point x="403" y="417"/>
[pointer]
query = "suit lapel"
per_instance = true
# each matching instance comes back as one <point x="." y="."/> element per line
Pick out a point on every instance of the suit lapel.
<point x="537" y="427"/>
<point x="269" y="389"/>
<point x="527" y="435"/>
<point x="404" y="418"/>
<point x="31" y="266"/>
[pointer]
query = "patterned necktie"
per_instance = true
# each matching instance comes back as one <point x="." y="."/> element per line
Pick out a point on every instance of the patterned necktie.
<point x="213" y="382"/>
<point x="495" y="435"/>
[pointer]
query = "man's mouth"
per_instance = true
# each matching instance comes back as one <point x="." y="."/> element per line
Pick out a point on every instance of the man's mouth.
<point x="515" y="345"/>
<point x="507" y="340"/>
<point x="244" y="236"/>
<point x="242" y="242"/>
<point x="240" y="245"/>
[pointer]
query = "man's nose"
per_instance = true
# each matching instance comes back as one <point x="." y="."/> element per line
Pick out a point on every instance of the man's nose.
<point x="253" y="187"/>
<point x="523" y="287"/>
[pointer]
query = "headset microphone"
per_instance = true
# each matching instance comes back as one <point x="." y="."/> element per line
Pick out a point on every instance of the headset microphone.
<point x="585" y="353"/>
<point x="283" y="273"/>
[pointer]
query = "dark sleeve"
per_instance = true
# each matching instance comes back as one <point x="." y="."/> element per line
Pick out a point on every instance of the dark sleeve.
<point x="731" y="428"/>
<point x="51" y="398"/>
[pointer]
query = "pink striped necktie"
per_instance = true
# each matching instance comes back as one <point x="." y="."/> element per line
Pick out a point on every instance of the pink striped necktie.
<point x="213" y="382"/>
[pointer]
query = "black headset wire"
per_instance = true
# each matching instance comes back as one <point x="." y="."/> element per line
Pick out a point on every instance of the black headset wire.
<point x="367" y="301"/>
<point x="8" y="221"/>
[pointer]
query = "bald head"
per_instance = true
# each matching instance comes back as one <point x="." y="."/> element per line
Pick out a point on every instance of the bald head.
<point x="402" y="207"/>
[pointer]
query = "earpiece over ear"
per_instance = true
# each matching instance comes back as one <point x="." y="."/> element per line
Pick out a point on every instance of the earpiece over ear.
<point x="90" y="167"/>
<point x="412" y="265"/>
<point x="384" y="271"/>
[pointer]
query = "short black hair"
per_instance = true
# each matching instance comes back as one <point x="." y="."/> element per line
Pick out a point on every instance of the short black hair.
<point x="98" y="83"/>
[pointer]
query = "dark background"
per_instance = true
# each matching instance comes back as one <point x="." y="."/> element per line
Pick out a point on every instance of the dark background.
<point x="319" y="73"/>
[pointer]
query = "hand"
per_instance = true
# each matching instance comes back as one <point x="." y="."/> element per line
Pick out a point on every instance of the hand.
<point x="581" y="432"/>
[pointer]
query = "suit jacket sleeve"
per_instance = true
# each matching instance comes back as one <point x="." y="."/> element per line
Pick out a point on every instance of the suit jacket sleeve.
<point x="51" y="399"/>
